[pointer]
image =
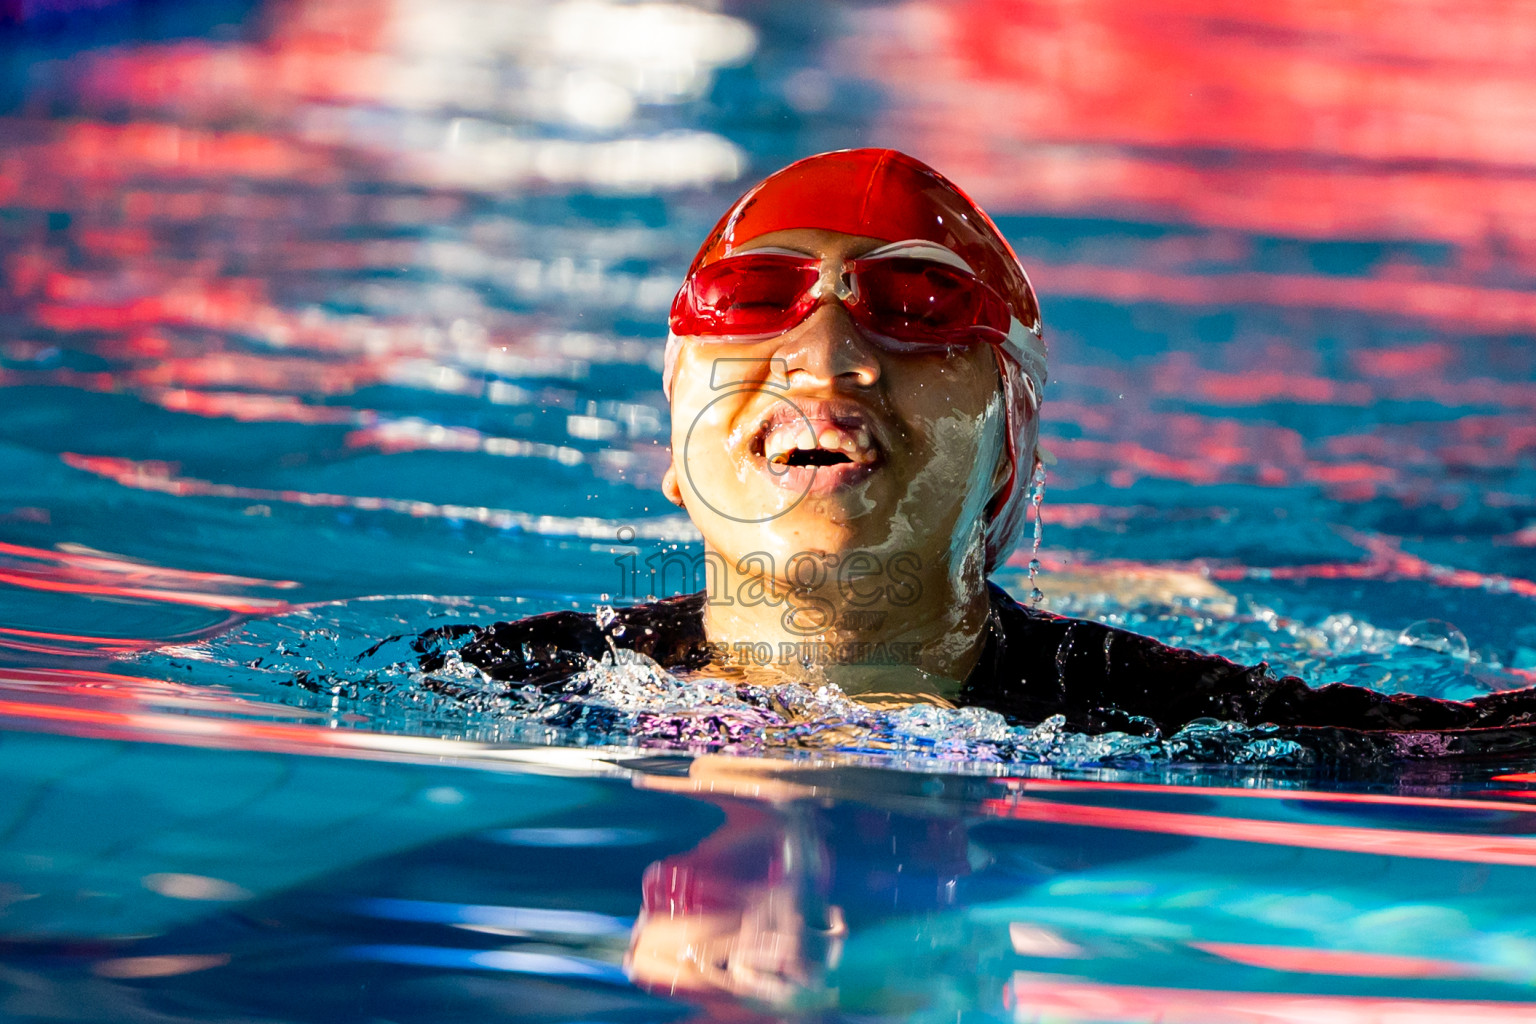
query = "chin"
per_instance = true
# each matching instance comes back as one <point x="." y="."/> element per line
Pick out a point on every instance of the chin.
<point x="829" y="536"/>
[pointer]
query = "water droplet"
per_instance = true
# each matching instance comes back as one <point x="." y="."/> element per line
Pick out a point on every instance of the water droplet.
<point x="1036" y="497"/>
<point x="1437" y="635"/>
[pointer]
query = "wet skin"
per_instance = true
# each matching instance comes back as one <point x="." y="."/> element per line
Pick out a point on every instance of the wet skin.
<point x="826" y="468"/>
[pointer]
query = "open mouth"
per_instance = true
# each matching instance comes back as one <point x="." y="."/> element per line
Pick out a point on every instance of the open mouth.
<point x="831" y="446"/>
<point x="812" y="457"/>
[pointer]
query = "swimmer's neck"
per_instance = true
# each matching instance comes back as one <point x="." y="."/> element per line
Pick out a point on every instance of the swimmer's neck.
<point x="919" y="639"/>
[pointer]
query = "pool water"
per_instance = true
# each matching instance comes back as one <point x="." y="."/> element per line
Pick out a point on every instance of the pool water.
<point x="325" y="324"/>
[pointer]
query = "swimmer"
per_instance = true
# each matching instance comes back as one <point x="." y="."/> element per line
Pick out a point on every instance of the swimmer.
<point x="855" y="366"/>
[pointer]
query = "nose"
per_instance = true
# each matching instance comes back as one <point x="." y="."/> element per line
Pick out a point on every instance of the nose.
<point x="828" y="349"/>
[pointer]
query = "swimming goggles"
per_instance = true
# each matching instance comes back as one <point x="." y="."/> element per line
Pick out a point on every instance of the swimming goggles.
<point x="908" y="302"/>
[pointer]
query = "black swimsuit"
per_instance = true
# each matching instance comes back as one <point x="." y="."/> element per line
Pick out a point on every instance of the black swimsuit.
<point x="1035" y="665"/>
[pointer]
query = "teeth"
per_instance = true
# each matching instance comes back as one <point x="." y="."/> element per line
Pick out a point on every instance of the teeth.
<point x="778" y="445"/>
<point x="856" y="444"/>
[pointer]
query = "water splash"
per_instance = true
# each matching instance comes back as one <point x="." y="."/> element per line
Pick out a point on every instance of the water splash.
<point x="326" y="659"/>
<point x="1430" y="657"/>
<point x="309" y="660"/>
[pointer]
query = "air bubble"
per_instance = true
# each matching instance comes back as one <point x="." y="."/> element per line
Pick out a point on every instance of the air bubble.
<point x="1437" y="635"/>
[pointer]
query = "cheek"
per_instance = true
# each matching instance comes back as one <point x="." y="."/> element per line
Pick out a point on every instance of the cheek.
<point x="712" y="386"/>
<point x="698" y="412"/>
<point x="947" y="400"/>
<point x="974" y="380"/>
<point x="703" y="425"/>
<point x="966" y="446"/>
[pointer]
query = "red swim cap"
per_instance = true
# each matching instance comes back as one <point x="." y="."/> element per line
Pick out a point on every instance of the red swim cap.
<point x="883" y="194"/>
<point x="877" y="193"/>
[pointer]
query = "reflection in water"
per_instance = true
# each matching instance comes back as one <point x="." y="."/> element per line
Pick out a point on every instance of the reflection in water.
<point x="410" y="885"/>
<point x="762" y="907"/>
<point x="744" y="913"/>
<point x="1124" y="905"/>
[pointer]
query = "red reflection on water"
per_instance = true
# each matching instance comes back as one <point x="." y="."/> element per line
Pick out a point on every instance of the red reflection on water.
<point x="1289" y="796"/>
<point x="1266" y="816"/>
<point x="1389" y="120"/>
<point x="1393" y="122"/>
<point x="1519" y="851"/>
<point x="1340" y="961"/>
<point x="312" y="51"/>
<point x="1280" y="194"/>
<point x="253" y="408"/>
<point x="1392" y="81"/>
<point x="198" y="136"/>
<point x="162" y="478"/>
<point x="42" y="642"/>
<point x="203" y="179"/>
<point x="1457" y="306"/>
<point x="1385" y="559"/>
<point x="93" y="574"/>
<point x="120" y="152"/>
<point x="1071" y="1000"/>
<point x="1209" y="450"/>
<point x="98" y="723"/>
<point x="107" y="691"/>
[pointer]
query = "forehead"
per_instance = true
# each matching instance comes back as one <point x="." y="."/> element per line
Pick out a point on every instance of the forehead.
<point x="816" y="242"/>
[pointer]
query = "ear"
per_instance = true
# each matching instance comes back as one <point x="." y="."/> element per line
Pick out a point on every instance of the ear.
<point x="670" y="488"/>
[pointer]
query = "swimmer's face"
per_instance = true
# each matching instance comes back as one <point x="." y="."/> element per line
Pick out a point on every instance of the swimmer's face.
<point x="764" y="950"/>
<point x="822" y="440"/>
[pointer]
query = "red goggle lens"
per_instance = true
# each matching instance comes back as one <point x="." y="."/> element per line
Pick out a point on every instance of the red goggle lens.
<point x="922" y="302"/>
<point x="746" y="296"/>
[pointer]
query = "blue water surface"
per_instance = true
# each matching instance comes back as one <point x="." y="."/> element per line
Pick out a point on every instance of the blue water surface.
<point x="322" y="325"/>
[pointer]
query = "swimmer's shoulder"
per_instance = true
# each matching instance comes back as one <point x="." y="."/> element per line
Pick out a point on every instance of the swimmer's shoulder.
<point x="552" y="647"/>
<point x="1036" y="664"/>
